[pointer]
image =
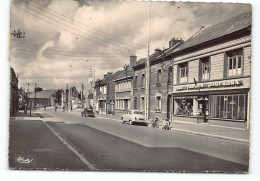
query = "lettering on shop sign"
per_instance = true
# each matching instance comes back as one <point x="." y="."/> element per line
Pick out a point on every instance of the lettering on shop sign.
<point x="211" y="85"/>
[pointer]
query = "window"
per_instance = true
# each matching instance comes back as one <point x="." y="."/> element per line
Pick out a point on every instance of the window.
<point x="170" y="75"/>
<point x="183" y="72"/>
<point x="142" y="103"/>
<point x="135" y="102"/>
<point x="159" y="76"/>
<point x="116" y="88"/>
<point x="205" y="68"/>
<point x="234" y="61"/>
<point x="184" y="107"/>
<point x="135" y="81"/>
<point x="105" y="89"/>
<point x="228" y="106"/>
<point x="158" y="103"/>
<point x="143" y="80"/>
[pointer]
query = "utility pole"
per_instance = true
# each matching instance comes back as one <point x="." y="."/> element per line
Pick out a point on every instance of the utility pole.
<point x="35" y="94"/>
<point x="148" y="75"/>
<point x="82" y="96"/>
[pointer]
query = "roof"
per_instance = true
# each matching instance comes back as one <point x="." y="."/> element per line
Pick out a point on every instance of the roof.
<point x="229" y="26"/>
<point x="43" y="94"/>
<point x="108" y="78"/>
<point x="152" y="57"/>
<point x="124" y="73"/>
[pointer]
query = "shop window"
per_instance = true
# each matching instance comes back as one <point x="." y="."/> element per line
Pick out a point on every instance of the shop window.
<point x="184" y="107"/>
<point x="143" y="81"/>
<point x="158" y="103"/>
<point x="159" y="77"/>
<point x="234" y="62"/>
<point x="205" y="68"/>
<point x="228" y="106"/>
<point x="183" y="73"/>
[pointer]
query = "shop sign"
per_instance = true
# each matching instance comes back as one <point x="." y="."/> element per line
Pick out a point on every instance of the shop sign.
<point x="219" y="84"/>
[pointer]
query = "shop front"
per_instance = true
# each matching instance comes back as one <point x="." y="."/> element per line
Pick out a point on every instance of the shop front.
<point x="222" y="103"/>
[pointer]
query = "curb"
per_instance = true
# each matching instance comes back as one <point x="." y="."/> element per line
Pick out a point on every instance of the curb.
<point x="108" y="118"/>
<point x="212" y="136"/>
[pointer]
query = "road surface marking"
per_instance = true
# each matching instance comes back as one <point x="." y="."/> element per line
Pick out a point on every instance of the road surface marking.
<point x="83" y="159"/>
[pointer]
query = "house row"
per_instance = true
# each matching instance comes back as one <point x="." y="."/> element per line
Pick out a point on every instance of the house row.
<point x="204" y="79"/>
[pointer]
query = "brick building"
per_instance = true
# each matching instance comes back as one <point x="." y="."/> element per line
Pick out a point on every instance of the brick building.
<point x="211" y="81"/>
<point x="160" y="84"/>
<point x="105" y="93"/>
<point x="123" y="88"/>
<point x="14" y="92"/>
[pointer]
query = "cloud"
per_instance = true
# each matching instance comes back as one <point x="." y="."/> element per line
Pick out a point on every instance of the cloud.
<point x="57" y="53"/>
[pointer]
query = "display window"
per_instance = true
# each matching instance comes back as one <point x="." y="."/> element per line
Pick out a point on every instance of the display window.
<point x="184" y="107"/>
<point x="228" y="106"/>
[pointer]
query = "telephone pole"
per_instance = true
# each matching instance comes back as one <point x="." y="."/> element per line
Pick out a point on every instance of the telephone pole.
<point x="148" y="74"/>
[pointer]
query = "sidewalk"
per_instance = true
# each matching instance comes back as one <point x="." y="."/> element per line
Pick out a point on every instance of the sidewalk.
<point x="20" y="115"/>
<point x="109" y="116"/>
<point x="212" y="131"/>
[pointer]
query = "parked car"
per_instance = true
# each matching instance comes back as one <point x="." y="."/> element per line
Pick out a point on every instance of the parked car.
<point x="87" y="112"/>
<point x="134" y="116"/>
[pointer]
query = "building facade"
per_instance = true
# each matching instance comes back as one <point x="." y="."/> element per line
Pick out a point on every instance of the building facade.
<point x="211" y="80"/>
<point x="14" y="92"/>
<point x="105" y="94"/>
<point x="124" y="88"/>
<point x="161" y="72"/>
<point x="42" y="98"/>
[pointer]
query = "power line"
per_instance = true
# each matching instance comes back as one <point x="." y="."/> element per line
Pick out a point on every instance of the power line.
<point x="73" y="25"/>
<point x="102" y="55"/>
<point x="86" y="53"/>
<point x="86" y="58"/>
<point x="62" y="49"/>
<point x="115" y="37"/>
<point x="68" y="30"/>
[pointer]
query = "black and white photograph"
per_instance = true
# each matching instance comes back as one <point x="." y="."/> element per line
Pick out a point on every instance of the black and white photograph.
<point x="130" y="86"/>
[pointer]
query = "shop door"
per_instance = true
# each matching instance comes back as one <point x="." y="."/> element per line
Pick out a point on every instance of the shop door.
<point x="204" y="107"/>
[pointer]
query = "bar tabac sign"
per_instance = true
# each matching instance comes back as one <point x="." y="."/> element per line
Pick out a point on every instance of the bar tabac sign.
<point x="211" y="85"/>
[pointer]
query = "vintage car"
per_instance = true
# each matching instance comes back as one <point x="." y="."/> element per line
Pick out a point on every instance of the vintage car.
<point x="87" y="112"/>
<point x="134" y="116"/>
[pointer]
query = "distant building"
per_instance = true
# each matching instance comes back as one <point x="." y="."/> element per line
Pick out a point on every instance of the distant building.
<point x="42" y="98"/>
<point x="14" y="92"/>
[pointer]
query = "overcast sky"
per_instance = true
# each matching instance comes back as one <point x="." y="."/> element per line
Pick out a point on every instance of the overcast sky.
<point x="55" y="48"/>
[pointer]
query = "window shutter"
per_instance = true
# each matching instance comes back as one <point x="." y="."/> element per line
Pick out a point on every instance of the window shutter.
<point x="200" y="69"/>
<point x="225" y="68"/>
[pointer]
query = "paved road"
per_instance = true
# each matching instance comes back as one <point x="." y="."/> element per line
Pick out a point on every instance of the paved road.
<point x="103" y="144"/>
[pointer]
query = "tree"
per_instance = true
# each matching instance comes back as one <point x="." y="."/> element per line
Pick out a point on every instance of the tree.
<point x="57" y="97"/>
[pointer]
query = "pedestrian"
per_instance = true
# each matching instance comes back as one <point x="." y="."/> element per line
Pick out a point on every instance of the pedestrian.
<point x="44" y="107"/>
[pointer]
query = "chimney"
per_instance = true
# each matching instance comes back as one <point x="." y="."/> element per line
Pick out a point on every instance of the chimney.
<point x="108" y="73"/>
<point x="132" y="60"/>
<point x="174" y="41"/>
